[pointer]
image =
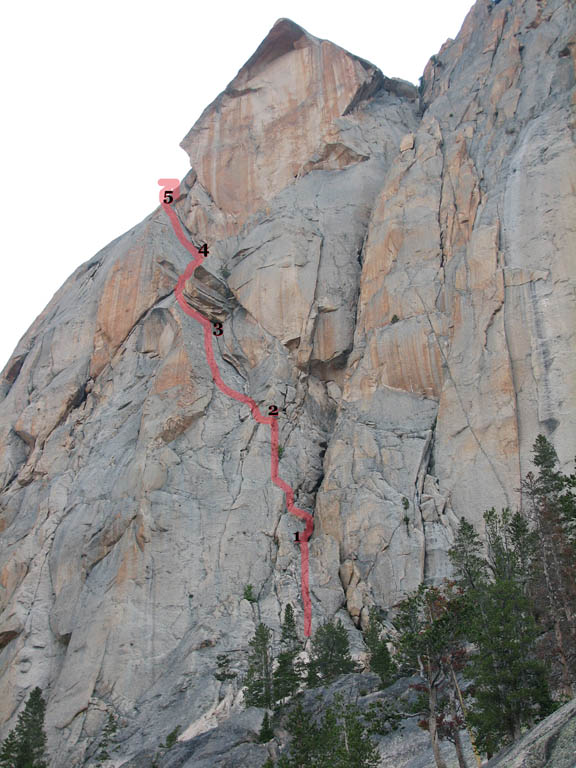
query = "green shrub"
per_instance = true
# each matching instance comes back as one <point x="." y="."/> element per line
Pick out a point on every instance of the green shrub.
<point x="249" y="594"/>
<point x="223" y="668"/>
<point x="172" y="737"/>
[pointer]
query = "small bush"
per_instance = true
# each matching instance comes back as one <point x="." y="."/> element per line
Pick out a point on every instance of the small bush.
<point x="280" y="451"/>
<point x="225" y="272"/>
<point x="223" y="668"/>
<point x="172" y="737"/>
<point x="394" y="319"/>
<point x="249" y="594"/>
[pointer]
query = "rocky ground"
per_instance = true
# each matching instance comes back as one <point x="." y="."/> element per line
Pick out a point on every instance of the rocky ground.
<point x="551" y="744"/>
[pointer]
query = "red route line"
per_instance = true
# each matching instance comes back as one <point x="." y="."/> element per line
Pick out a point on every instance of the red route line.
<point x="173" y="186"/>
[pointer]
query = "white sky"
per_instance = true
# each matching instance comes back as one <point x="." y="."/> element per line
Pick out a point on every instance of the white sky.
<point x="97" y="96"/>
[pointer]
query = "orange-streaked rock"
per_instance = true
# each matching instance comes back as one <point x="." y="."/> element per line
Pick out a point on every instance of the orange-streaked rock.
<point x="134" y="284"/>
<point x="263" y="130"/>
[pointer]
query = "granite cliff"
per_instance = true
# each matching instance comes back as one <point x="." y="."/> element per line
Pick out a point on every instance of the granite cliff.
<point x="393" y="267"/>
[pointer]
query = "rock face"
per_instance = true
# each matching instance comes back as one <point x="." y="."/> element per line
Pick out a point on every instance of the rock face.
<point x="395" y="271"/>
<point x="549" y="745"/>
<point x="274" y="122"/>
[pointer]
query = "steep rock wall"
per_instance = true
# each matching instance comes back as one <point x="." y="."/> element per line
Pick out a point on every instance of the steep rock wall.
<point x="395" y="272"/>
<point x="459" y="359"/>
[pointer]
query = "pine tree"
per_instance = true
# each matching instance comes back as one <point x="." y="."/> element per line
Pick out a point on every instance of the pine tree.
<point x="305" y="741"/>
<point x="450" y="722"/>
<point x="466" y="557"/>
<point x="108" y="733"/>
<point x="258" y="680"/>
<point x="555" y="489"/>
<point x="330" y="654"/>
<point x="358" y="749"/>
<point x="9" y="751"/>
<point x="287" y="677"/>
<point x="330" y="745"/>
<point x="510" y="688"/>
<point x="380" y="660"/>
<point x="552" y="506"/>
<point x="25" y="746"/>
<point x="289" y="636"/>
<point x="340" y="739"/>
<point x="428" y="644"/>
<point x="266" y="731"/>
<point x="509" y="684"/>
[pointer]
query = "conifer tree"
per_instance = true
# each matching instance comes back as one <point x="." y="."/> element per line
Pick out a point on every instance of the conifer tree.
<point x="330" y="656"/>
<point x="289" y="635"/>
<point x="9" y="751"/>
<point x="511" y="546"/>
<point x="258" y="680"/>
<point x="305" y="741"/>
<point x="450" y="722"/>
<point x="108" y="733"/>
<point x="287" y="677"/>
<point x="380" y="660"/>
<point x="428" y="644"/>
<point x="466" y="556"/>
<point x="510" y="689"/>
<point x="266" y="731"/>
<point x="357" y="748"/>
<point x="25" y="746"/>
<point x="340" y="739"/>
<point x="552" y="506"/>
